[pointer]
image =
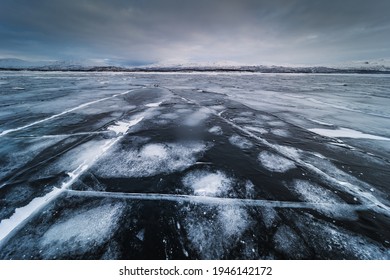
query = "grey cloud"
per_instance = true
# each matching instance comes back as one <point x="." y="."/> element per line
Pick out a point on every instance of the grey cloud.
<point x="293" y="31"/>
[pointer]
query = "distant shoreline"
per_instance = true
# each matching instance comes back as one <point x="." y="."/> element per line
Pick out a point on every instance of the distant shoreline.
<point x="245" y="69"/>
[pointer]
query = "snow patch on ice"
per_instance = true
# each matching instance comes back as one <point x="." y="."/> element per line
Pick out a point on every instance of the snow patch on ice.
<point x="153" y="105"/>
<point x="214" y="231"/>
<point x="337" y="243"/>
<point x="216" y="130"/>
<point x="169" y="116"/>
<point x="346" y="133"/>
<point x="274" y="162"/>
<point x="289" y="243"/>
<point x="321" y="123"/>
<point x="280" y="132"/>
<point x="197" y="117"/>
<point x="82" y="232"/>
<point x="256" y="129"/>
<point x="121" y="127"/>
<point x="240" y="142"/>
<point x="150" y="159"/>
<point x="325" y="200"/>
<point x="204" y="183"/>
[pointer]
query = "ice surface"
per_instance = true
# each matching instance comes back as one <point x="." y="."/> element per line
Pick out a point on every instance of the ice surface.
<point x="217" y="130"/>
<point x="274" y="162"/>
<point x="81" y="232"/>
<point x="197" y="117"/>
<point x="214" y="231"/>
<point x="152" y="105"/>
<point x="280" y="132"/>
<point x="150" y="159"/>
<point x="289" y="243"/>
<point x="121" y="127"/>
<point x="346" y="133"/>
<point x="326" y="201"/>
<point x="205" y="183"/>
<point x="322" y="123"/>
<point x="277" y="123"/>
<point x="336" y="242"/>
<point x="240" y="142"/>
<point x="256" y="129"/>
<point x="169" y="116"/>
<point x="5" y="132"/>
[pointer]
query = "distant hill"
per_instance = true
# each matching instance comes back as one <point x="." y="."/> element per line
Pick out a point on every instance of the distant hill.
<point x="361" y="67"/>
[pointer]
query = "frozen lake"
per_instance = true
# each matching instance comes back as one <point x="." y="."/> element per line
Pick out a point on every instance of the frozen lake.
<point x="194" y="166"/>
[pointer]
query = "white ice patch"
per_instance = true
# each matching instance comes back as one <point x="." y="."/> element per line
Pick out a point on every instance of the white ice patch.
<point x="280" y="132"/>
<point x="121" y="127"/>
<point x="214" y="237"/>
<point x="217" y="107"/>
<point x="216" y="130"/>
<point x="335" y="241"/>
<point x="321" y="123"/>
<point x="241" y="120"/>
<point x="62" y="113"/>
<point x="150" y="159"/>
<point x="240" y="142"/>
<point x="277" y="123"/>
<point x="274" y="162"/>
<point x="249" y="189"/>
<point x="153" y="105"/>
<point x="289" y="243"/>
<point x="346" y="133"/>
<point x="82" y="232"/>
<point x="256" y="129"/>
<point x="197" y="117"/>
<point x="169" y="116"/>
<point x="325" y="200"/>
<point x="184" y="111"/>
<point x="154" y="151"/>
<point x="204" y="183"/>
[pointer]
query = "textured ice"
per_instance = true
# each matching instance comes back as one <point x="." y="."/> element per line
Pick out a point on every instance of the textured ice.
<point x="150" y="159"/>
<point x="240" y="142"/>
<point x="152" y="105"/>
<point x="277" y="123"/>
<point x="217" y="107"/>
<point x="274" y="162"/>
<point x="249" y="189"/>
<point x="288" y="243"/>
<point x="205" y="183"/>
<point x="217" y="130"/>
<point x="326" y="201"/>
<point x="346" y="133"/>
<point x="214" y="231"/>
<point x="280" y="132"/>
<point x="256" y="129"/>
<point x="197" y="117"/>
<point x="169" y="116"/>
<point x="81" y="232"/>
<point x="121" y="127"/>
<point x="5" y="132"/>
<point x="338" y="243"/>
<point x="270" y="216"/>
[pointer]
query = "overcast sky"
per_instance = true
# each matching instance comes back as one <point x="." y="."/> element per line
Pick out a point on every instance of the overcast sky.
<point x="177" y="31"/>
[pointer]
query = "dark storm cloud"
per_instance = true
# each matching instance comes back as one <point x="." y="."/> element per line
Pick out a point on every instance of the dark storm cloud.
<point x="279" y="31"/>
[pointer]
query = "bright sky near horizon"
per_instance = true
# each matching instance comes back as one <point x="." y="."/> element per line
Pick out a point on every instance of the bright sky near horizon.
<point x="136" y="32"/>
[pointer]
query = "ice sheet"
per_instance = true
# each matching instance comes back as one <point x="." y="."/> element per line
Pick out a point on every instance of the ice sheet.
<point x="151" y="159"/>
<point x="206" y="183"/>
<point x="346" y="133"/>
<point x="81" y="231"/>
<point x="240" y="142"/>
<point x="274" y="162"/>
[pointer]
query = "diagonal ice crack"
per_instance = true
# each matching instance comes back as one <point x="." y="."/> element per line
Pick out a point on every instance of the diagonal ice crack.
<point x="5" y="132"/>
<point x="23" y="214"/>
